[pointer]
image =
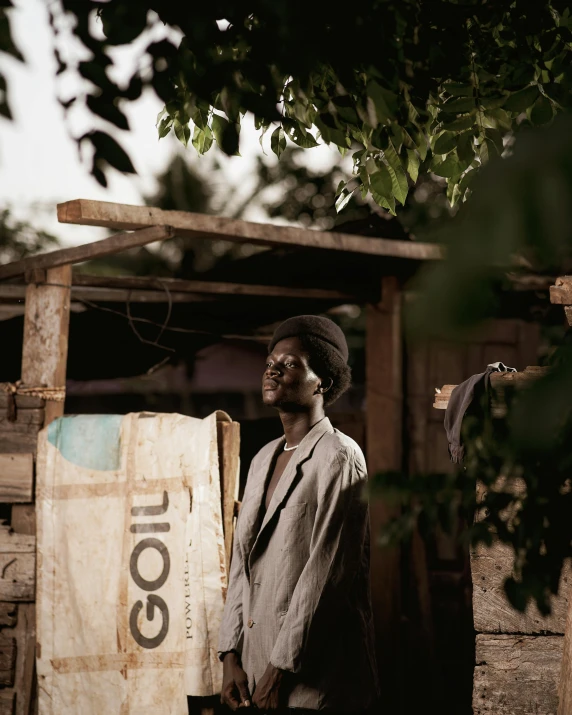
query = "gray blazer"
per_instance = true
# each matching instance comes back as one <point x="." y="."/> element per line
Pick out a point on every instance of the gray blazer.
<point x="299" y="593"/>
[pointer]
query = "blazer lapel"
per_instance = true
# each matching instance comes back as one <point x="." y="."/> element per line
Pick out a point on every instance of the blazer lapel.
<point x="286" y="480"/>
<point x="259" y="478"/>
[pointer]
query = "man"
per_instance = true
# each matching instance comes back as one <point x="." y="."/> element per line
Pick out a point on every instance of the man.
<point x="297" y="628"/>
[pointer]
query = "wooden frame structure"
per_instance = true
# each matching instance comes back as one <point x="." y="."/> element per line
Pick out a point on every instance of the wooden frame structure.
<point x="50" y="288"/>
<point x="523" y="660"/>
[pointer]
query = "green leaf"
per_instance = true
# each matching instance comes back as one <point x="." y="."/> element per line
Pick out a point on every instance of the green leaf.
<point x="202" y="139"/>
<point x="541" y="111"/>
<point x="496" y="137"/>
<point x="381" y="181"/>
<point x="412" y="164"/>
<point x="230" y="139"/>
<point x="448" y="168"/>
<point x="463" y="104"/>
<point x="200" y="117"/>
<point x="398" y="175"/>
<point x="261" y="137"/>
<point x="459" y="125"/>
<point x="385" y="102"/>
<point x="457" y="89"/>
<point x="341" y="186"/>
<point x="466" y="150"/>
<point x="343" y="200"/>
<point x="445" y="142"/>
<point x="226" y="134"/>
<point x="278" y="141"/>
<point x="299" y="135"/>
<point x="329" y="134"/>
<point x="165" y="126"/>
<point x="523" y="99"/>
<point x="387" y="203"/>
<point x="219" y="124"/>
<point x="182" y="132"/>
<point x="489" y="103"/>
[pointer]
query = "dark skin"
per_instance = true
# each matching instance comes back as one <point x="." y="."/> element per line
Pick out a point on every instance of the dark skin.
<point x="290" y="386"/>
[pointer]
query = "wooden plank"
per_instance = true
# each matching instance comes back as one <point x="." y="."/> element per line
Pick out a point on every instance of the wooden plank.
<point x="85" y="252"/>
<point x="8" y="614"/>
<point x="23" y="402"/>
<point x="17" y="566"/>
<point x="25" y="418"/>
<point x="16" y="478"/>
<point x="565" y="683"/>
<point x="146" y="283"/>
<point x="499" y="381"/>
<point x="10" y="292"/>
<point x="192" y="225"/>
<point x="490" y="566"/>
<point x="229" y="465"/>
<point x="561" y="291"/>
<point x="7" y="660"/>
<point x="25" y="633"/>
<point x="7" y="702"/>
<point x="516" y="675"/>
<point x="200" y="293"/>
<point x="18" y="442"/>
<point x="384" y="364"/>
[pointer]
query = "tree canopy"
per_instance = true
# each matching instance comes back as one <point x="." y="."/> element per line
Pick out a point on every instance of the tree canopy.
<point x="407" y="87"/>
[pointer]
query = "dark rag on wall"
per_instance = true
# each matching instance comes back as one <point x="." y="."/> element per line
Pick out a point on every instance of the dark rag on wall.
<point x="460" y="401"/>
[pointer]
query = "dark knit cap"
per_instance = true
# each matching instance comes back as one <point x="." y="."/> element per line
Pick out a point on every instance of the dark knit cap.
<point x="322" y="328"/>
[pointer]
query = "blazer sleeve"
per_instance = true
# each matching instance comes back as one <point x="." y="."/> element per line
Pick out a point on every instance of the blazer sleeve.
<point x="231" y="629"/>
<point x="336" y="553"/>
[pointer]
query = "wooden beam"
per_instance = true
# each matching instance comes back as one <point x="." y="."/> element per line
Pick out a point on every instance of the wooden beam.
<point x="46" y="328"/>
<point x="384" y="400"/>
<point x="212" y="287"/>
<point x="152" y="290"/>
<point x="192" y="225"/>
<point x="85" y="252"/>
<point x="16" y="478"/>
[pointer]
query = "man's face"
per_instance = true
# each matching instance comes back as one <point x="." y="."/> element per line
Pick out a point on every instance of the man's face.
<point x="288" y="381"/>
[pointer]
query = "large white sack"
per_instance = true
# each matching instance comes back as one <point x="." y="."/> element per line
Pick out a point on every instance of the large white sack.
<point x="131" y="566"/>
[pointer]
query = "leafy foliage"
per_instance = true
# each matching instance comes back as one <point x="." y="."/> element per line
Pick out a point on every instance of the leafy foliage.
<point x="520" y="206"/>
<point x="410" y="87"/>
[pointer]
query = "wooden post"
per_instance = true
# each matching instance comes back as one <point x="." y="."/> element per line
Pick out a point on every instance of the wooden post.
<point x="44" y="357"/>
<point x="384" y="408"/>
<point x="228" y="451"/>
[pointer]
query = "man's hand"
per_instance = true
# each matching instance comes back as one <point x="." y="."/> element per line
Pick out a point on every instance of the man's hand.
<point x="267" y="695"/>
<point x="234" y="683"/>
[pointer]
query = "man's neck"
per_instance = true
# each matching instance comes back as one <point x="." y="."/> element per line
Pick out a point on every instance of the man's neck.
<point x="297" y="424"/>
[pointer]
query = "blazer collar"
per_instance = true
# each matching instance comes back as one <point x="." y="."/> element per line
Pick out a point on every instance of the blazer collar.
<point x="283" y="487"/>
